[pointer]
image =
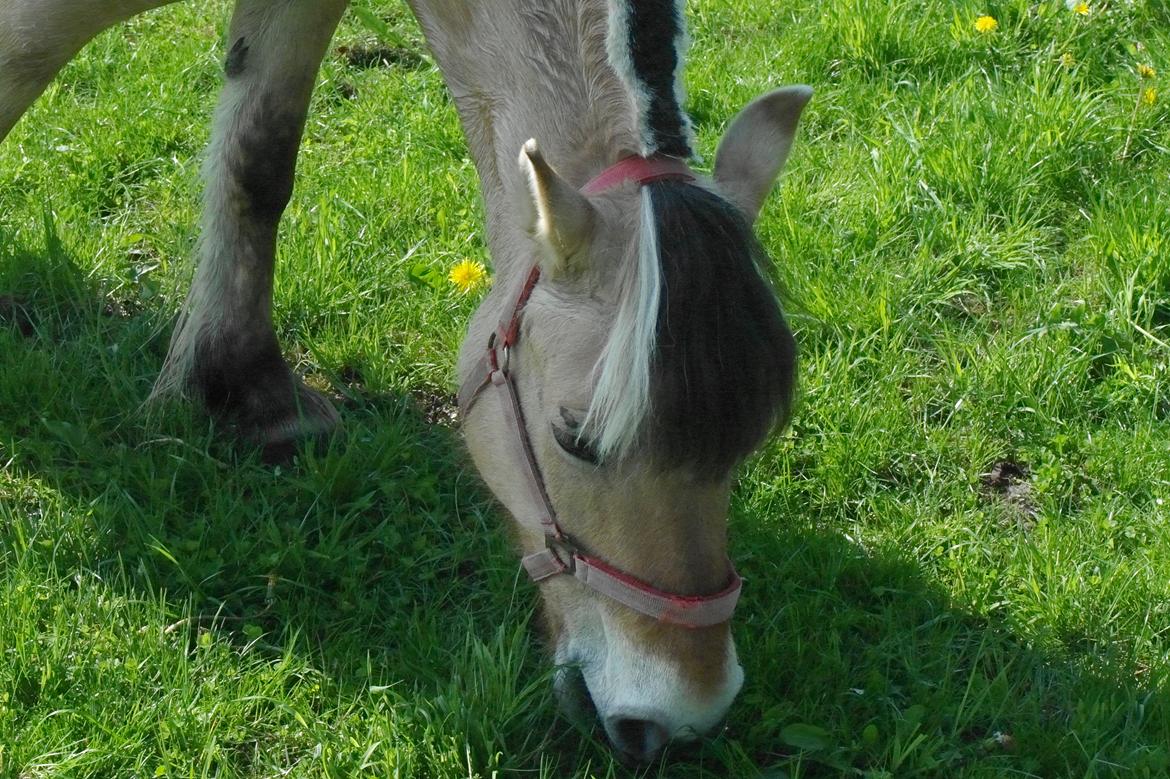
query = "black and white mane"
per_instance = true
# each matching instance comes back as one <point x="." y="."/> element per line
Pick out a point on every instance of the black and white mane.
<point x="700" y="364"/>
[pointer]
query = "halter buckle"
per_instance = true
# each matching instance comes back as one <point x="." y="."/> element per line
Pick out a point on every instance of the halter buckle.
<point x="499" y="352"/>
<point x="563" y="551"/>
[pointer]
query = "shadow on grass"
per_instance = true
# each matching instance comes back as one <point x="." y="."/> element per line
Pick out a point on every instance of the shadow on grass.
<point x="857" y="663"/>
<point x="378" y="558"/>
<point x="202" y="515"/>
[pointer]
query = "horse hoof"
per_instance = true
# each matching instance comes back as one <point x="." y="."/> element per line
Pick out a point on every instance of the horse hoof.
<point x="252" y="392"/>
<point x="307" y="423"/>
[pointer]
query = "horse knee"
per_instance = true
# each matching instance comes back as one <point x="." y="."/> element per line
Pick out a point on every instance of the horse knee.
<point x="270" y="67"/>
<point x="263" y="159"/>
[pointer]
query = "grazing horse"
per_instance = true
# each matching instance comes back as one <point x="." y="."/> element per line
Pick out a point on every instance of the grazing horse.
<point x="629" y="355"/>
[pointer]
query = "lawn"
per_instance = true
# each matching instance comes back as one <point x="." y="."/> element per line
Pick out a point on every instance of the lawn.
<point x="957" y="559"/>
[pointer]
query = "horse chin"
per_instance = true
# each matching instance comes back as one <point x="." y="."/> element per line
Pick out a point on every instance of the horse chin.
<point x="576" y="704"/>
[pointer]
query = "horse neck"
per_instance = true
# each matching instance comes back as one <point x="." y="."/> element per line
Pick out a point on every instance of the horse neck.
<point x="521" y="69"/>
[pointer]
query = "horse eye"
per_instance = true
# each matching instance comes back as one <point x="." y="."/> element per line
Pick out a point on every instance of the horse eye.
<point x="569" y="438"/>
<point x="577" y="447"/>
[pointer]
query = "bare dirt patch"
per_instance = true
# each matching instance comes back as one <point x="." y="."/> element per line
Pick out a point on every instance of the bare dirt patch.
<point x="438" y="407"/>
<point x="1006" y="483"/>
<point x="366" y="57"/>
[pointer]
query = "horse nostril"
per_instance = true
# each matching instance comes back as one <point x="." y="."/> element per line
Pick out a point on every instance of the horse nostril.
<point x="640" y="739"/>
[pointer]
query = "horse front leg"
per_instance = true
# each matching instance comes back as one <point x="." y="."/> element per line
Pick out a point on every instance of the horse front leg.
<point x="224" y="346"/>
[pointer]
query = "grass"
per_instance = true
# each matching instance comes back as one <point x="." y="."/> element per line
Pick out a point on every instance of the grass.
<point x="957" y="559"/>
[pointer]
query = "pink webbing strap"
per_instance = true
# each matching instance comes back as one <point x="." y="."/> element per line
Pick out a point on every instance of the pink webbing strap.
<point x="640" y="170"/>
<point x="505" y="337"/>
<point x="541" y="512"/>
<point x="689" y="611"/>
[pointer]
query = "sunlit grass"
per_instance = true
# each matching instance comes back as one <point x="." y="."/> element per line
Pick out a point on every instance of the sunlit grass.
<point x="957" y="560"/>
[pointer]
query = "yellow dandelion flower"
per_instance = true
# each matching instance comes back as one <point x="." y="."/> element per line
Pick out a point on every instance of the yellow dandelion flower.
<point x="1145" y="71"/>
<point x="1081" y="9"/>
<point x="986" y="24"/>
<point x="467" y="275"/>
<point x="1150" y="96"/>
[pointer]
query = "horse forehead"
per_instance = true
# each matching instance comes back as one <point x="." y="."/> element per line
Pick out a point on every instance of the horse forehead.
<point x="571" y="324"/>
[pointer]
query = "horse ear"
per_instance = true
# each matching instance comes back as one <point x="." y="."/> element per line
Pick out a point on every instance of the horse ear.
<point x="755" y="147"/>
<point x="561" y="218"/>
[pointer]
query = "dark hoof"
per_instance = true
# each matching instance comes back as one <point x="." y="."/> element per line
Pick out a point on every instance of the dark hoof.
<point x="255" y="392"/>
<point x="309" y="423"/>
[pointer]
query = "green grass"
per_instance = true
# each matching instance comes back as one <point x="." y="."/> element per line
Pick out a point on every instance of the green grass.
<point x="975" y="233"/>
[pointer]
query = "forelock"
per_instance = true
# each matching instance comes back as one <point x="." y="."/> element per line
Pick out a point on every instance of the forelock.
<point x="699" y="366"/>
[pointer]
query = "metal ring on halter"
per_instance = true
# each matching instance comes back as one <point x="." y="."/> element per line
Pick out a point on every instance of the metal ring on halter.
<point x="563" y="551"/>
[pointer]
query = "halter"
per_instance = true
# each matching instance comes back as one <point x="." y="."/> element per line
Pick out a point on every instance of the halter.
<point x="561" y="555"/>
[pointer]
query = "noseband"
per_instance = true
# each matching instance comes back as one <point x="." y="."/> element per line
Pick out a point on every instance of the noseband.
<point x="561" y="555"/>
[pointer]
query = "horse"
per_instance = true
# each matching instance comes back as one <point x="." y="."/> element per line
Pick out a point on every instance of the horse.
<point x="629" y="355"/>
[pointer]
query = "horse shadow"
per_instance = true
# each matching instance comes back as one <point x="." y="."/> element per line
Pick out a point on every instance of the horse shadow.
<point x="858" y="662"/>
<point x="386" y="565"/>
<point x="378" y="556"/>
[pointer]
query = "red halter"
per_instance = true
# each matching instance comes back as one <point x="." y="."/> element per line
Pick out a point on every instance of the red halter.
<point x="561" y="555"/>
<point x="640" y="170"/>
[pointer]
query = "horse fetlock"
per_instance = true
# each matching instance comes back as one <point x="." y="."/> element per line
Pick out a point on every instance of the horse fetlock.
<point x="245" y="382"/>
